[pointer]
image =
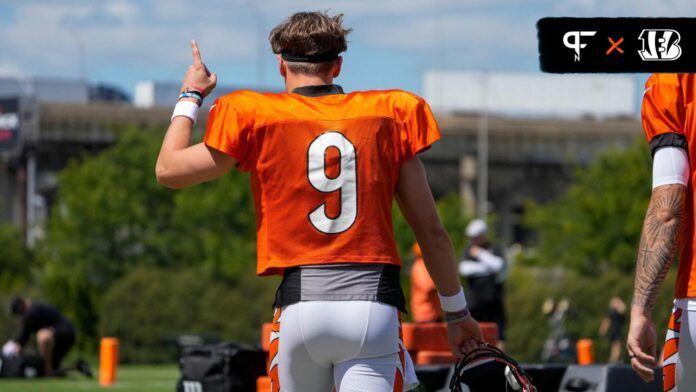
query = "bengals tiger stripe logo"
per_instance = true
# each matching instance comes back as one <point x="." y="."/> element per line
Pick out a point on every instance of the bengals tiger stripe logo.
<point x="660" y="45"/>
<point x="671" y="352"/>
<point x="273" y="352"/>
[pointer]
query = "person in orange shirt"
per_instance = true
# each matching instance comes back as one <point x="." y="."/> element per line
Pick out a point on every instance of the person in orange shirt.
<point x="425" y="305"/>
<point x="325" y="167"/>
<point x="669" y="122"/>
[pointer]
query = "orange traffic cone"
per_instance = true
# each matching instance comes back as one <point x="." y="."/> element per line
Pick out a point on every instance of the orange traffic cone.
<point x="585" y="349"/>
<point x="108" y="361"/>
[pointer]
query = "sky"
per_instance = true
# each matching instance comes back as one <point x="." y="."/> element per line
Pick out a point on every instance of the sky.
<point x="393" y="42"/>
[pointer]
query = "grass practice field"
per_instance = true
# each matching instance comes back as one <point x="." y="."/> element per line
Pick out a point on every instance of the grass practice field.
<point x="129" y="379"/>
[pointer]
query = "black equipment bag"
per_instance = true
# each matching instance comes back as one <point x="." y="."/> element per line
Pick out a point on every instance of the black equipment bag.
<point x="21" y="366"/>
<point x="224" y="367"/>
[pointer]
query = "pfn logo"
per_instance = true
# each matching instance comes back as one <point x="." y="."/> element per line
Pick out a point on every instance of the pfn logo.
<point x="660" y="45"/>
<point x="572" y="40"/>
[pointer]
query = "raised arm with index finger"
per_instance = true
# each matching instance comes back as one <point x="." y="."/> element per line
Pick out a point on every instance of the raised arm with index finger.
<point x="179" y="164"/>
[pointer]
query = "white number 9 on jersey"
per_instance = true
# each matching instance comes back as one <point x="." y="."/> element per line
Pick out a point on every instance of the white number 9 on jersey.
<point x="346" y="182"/>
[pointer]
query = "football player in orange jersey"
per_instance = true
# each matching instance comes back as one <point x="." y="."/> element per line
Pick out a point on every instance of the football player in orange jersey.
<point x="670" y="126"/>
<point x="325" y="168"/>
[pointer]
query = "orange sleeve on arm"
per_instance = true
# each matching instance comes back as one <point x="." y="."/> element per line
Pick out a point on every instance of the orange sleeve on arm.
<point x="419" y="130"/>
<point x="663" y="106"/>
<point x="229" y="131"/>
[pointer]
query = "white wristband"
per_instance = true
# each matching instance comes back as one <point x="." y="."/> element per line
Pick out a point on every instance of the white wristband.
<point x="454" y="303"/>
<point x="187" y="109"/>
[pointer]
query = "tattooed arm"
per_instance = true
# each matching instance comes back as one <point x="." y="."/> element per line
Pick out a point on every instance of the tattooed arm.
<point x="658" y="244"/>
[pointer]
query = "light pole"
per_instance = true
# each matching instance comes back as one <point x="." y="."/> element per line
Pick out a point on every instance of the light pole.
<point x="482" y="147"/>
<point x="28" y="136"/>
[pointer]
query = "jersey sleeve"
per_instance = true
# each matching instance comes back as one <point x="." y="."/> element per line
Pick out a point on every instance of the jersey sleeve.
<point x="663" y="112"/>
<point x="229" y="130"/>
<point x="419" y="130"/>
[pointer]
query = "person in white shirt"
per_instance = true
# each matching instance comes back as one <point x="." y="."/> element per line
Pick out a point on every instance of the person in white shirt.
<point x="485" y="270"/>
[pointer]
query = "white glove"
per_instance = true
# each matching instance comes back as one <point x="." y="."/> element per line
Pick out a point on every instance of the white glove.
<point x="10" y="349"/>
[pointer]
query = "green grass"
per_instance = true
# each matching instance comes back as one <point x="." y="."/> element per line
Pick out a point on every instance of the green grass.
<point x="128" y="379"/>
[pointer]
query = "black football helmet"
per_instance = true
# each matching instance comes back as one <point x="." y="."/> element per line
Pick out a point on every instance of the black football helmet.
<point x="488" y="369"/>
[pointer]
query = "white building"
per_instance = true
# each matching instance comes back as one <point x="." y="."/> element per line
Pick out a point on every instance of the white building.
<point x="531" y="94"/>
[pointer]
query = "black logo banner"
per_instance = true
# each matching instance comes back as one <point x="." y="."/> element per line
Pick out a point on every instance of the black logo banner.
<point x="610" y="45"/>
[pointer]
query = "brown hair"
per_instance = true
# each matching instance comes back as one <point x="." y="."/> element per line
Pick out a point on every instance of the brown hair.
<point x="310" y="34"/>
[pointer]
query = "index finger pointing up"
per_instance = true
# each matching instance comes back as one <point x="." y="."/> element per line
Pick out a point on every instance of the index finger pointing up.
<point x="196" y="53"/>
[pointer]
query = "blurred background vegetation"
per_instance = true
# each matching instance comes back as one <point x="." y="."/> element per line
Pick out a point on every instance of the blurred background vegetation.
<point x="124" y="256"/>
<point x="585" y="252"/>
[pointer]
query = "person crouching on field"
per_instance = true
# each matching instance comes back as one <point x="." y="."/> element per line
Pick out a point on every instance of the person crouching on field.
<point x="55" y="335"/>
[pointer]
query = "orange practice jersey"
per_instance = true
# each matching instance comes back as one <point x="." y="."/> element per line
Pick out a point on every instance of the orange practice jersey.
<point x="323" y="169"/>
<point x="669" y="119"/>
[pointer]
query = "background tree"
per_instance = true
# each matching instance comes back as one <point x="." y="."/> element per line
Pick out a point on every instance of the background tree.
<point x="586" y="250"/>
<point x="16" y="262"/>
<point x="111" y="216"/>
<point x="595" y="225"/>
<point x="17" y="273"/>
<point x="187" y="300"/>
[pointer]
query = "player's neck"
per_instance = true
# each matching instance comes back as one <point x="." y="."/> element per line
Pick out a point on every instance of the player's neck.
<point x="293" y="81"/>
